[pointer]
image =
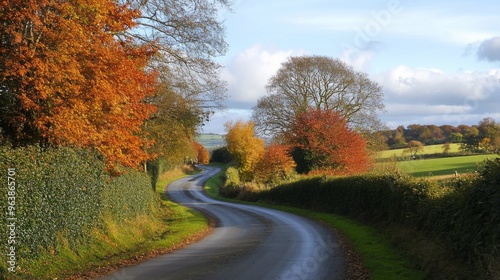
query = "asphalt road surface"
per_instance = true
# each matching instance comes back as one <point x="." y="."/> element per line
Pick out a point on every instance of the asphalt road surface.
<point x="248" y="242"/>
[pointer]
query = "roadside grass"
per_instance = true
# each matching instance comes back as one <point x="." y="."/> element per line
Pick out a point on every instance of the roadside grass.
<point x="442" y="166"/>
<point x="121" y="243"/>
<point x="213" y="183"/>
<point x="428" y="150"/>
<point x="375" y="250"/>
<point x="116" y="241"/>
<point x="383" y="261"/>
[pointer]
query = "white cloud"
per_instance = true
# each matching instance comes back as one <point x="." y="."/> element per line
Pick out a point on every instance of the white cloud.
<point x="416" y="95"/>
<point x="359" y="58"/>
<point x="217" y="121"/>
<point x="248" y="73"/>
<point x="426" y="109"/>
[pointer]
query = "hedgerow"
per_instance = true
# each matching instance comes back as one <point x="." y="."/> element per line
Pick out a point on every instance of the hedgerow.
<point x="232" y="183"/>
<point x="464" y="213"/>
<point x="129" y="195"/>
<point x="65" y="192"/>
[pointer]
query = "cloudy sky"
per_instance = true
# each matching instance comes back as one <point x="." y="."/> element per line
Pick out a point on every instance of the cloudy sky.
<point x="438" y="62"/>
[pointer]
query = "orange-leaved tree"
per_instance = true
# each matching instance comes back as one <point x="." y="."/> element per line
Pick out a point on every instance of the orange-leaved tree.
<point x="324" y="143"/>
<point x="275" y="164"/>
<point x="202" y="154"/>
<point x="69" y="75"/>
<point x="244" y="146"/>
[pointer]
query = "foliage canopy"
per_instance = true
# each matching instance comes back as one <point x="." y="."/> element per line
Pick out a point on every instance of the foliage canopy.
<point x="324" y="142"/>
<point x="70" y="76"/>
<point x="245" y="147"/>
<point x="322" y="83"/>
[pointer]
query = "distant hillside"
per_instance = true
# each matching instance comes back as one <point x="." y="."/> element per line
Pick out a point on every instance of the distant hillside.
<point x="211" y="141"/>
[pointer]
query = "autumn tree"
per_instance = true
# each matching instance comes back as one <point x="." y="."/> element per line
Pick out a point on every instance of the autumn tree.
<point x="275" y="164"/>
<point x="172" y="127"/>
<point x="324" y="142"/>
<point x="202" y="154"/>
<point x="414" y="147"/>
<point x="189" y="35"/>
<point x="398" y="139"/>
<point x="244" y="146"/>
<point x="322" y="83"/>
<point x="70" y="75"/>
<point x="379" y="141"/>
<point x="489" y="129"/>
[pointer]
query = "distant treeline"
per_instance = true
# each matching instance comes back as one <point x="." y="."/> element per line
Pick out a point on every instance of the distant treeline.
<point x="485" y="136"/>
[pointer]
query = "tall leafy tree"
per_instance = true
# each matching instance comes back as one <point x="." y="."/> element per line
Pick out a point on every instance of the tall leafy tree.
<point x="70" y="75"/>
<point x="244" y="146"/>
<point x="172" y="127"/>
<point x="189" y="34"/>
<point x="324" y="143"/>
<point x="470" y="140"/>
<point x="322" y="83"/>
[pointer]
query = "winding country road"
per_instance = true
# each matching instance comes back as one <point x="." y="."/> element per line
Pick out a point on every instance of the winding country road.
<point x="248" y="242"/>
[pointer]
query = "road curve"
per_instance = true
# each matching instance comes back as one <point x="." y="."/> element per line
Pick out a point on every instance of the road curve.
<point x="248" y="242"/>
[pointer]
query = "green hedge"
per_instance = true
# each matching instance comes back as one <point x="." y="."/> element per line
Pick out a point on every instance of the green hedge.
<point x="464" y="214"/>
<point x="64" y="192"/>
<point x="129" y="195"/>
<point x="232" y="184"/>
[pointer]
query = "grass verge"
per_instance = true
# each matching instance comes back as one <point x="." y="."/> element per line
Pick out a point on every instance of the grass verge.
<point x="374" y="249"/>
<point x="383" y="261"/>
<point x="121" y="244"/>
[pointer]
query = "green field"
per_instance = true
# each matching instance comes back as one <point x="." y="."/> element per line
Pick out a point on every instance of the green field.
<point x="431" y="149"/>
<point x="442" y="166"/>
<point x="211" y="141"/>
<point x="436" y="166"/>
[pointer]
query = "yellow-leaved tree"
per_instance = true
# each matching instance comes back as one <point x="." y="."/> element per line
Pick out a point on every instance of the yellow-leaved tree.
<point x="246" y="148"/>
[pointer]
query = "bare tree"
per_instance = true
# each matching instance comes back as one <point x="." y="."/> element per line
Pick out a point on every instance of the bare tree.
<point x="188" y="35"/>
<point x="320" y="82"/>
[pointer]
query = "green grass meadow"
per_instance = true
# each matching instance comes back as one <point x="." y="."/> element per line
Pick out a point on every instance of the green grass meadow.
<point x="443" y="166"/>
<point x="433" y="167"/>
<point x="428" y="150"/>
